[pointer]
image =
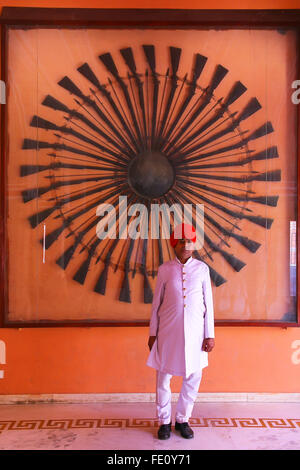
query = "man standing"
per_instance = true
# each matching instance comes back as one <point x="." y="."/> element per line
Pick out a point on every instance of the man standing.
<point x="181" y="330"/>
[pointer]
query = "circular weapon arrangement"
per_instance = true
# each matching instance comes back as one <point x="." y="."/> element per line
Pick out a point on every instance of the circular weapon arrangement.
<point x="155" y="138"/>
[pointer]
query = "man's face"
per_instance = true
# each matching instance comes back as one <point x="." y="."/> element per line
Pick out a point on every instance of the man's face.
<point x="184" y="247"/>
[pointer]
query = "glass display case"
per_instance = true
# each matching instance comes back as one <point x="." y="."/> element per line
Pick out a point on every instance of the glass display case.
<point x="118" y="123"/>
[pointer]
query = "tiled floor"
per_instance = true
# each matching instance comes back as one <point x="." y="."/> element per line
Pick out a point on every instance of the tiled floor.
<point x="132" y="426"/>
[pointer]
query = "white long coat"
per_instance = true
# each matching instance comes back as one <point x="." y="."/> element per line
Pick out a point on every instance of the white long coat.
<point x="182" y="316"/>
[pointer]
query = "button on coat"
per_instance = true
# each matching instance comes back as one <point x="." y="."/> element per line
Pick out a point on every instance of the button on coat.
<point x="182" y="316"/>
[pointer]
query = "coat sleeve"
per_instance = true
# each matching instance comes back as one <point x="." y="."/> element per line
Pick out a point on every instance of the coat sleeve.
<point x="209" y="311"/>
<point x="157" y="300"/>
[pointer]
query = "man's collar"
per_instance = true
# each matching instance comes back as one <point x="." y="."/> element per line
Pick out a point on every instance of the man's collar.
<point x="184" y="264"/>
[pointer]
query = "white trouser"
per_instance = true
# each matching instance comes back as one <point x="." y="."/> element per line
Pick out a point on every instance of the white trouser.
<point x="185" y="404"/>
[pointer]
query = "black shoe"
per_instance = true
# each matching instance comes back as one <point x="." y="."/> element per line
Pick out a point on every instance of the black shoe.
<point x="164" y="431"/>
<point x="185" y="430"/>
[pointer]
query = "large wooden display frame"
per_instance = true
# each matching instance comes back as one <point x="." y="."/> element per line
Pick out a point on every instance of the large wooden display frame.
<point x="222" y="20"/>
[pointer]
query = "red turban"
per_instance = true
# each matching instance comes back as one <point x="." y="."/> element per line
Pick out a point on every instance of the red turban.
<point x="182" y="231"/>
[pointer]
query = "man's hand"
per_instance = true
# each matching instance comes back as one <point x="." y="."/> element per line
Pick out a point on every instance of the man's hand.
<point x="208" y="344"/>
<point x="151" y="341"/>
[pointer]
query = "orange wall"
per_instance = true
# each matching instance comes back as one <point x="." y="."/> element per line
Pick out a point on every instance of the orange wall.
<point x="188" y="4"/>
<point x="112" y="360"/>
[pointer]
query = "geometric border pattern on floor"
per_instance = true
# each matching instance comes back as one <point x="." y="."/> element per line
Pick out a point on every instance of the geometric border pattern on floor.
<point x="97" y="423"/>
